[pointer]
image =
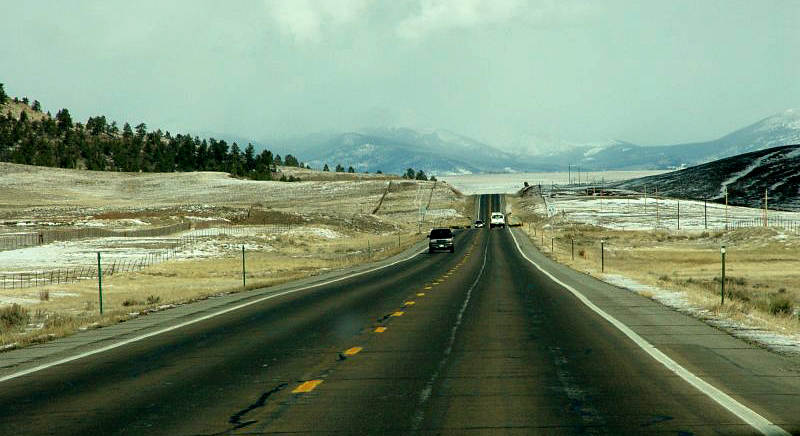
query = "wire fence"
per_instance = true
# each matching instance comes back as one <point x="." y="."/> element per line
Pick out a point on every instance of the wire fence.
<point x="172" y="248"/>
<point x="669" y="214"/>
<point x="30" y="239"/>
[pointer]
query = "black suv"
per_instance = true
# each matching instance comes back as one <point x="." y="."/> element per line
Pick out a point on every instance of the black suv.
<point x="441" y="239"/>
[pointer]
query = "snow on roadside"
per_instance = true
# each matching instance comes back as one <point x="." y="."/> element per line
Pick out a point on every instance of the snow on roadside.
<point x="784" y="343"/>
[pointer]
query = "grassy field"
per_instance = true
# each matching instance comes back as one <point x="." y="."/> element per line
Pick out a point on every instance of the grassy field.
<point x="329" y="221"/>
<point x="762" y="280"/>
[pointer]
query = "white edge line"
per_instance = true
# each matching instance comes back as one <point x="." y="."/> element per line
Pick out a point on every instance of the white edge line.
<point x="193" y="321"/>
<point x="747" y="415"/>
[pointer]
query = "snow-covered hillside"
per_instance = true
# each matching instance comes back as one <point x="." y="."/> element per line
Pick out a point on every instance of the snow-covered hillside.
<point x="746" y="178"/>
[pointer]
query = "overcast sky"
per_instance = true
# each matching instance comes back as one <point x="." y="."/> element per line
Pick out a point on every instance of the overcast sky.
<point x="648" y="72"/>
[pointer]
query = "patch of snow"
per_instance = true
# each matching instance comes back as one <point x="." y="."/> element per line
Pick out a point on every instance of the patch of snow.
<point x="736" y="176"/>
<point x="784" y="343"/>
<point x="672" y="299"/>
<point x="442" y="213"/>
<point x="593" y="151"/>
<point x="316" y="231"/>
<point x="7" y="299"/>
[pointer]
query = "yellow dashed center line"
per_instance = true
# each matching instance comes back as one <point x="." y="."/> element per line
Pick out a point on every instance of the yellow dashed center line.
<point x="398" y="313"/>
<point x="352" y="351"/>
<point x="408" y="303"/>
<point x="307" y="386"/>
<point x="380" y="329"/>
<point x="420" y="294"/>
<point x="428" y="287"/>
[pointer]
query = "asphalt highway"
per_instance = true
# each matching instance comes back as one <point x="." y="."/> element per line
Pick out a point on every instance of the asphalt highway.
<point x="479" y="341"/>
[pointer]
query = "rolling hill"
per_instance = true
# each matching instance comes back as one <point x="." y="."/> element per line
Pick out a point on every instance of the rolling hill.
<point x="746" y="177"/>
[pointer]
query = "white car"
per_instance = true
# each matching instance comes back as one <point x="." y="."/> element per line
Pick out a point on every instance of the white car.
<point x="497" y="220"/>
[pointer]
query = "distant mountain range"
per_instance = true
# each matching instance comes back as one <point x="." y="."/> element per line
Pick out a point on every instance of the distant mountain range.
<point x="745" y="177"/>
<point x="392" y="150"/>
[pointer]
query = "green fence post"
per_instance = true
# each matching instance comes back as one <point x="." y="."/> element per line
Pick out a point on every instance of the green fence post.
<point x="100" y="282"/>
<point x="244" y="275"/>
<point x="722" y="282"/>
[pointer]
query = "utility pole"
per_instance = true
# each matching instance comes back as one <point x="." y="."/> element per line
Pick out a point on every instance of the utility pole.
<point x="658" y="219"/>
<point x="645" y="198"/>
<point x="726" y="208"/>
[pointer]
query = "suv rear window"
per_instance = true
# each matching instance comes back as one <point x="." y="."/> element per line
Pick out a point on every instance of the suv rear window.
<point x="441" y="233"/>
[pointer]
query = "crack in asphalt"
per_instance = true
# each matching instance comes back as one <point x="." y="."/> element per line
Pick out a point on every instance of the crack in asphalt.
<point x="236" y="418"/>
<point x="427" y="391"/>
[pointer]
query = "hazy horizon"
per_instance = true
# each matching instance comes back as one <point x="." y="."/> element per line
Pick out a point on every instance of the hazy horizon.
<point x="501" y="71"/>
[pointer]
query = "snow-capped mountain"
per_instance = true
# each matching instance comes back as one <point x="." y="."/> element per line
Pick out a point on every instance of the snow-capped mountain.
<point x="777" y="130"/>
<point x="394" y="149"/>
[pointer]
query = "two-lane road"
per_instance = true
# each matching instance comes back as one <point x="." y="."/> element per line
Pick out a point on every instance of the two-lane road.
<point x="475" y="341"/>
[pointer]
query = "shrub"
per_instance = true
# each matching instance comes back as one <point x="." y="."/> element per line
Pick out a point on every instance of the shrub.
<point x="13" y="316"/>
<point x="153" y="299"/>
<point x="44" y="295"/>
<point x="131" y="302"/>
<point x="665" y="278"/>
<point x="780" y="305"/>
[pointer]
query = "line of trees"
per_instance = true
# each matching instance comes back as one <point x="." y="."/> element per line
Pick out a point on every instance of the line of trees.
<point x="99" y="145"/>
<point x="418" y="175"/>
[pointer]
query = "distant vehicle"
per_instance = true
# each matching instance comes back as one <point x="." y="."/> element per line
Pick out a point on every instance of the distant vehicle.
<point x="441" y="239"/>
<point x="478" y="224"/>
<point x="497" y="220"/>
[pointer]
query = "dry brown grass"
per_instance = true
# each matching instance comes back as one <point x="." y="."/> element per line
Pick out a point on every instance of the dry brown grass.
<point x="339" y="202"/>
<point x="762" y="269"/>
<point x="178" y="282"/>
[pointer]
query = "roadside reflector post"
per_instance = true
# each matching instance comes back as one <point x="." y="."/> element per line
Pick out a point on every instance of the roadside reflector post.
<point x="100" y="282"/>
<point x="722" y="282"/>
<point x="552" y="243"/>
<point x="573" y="248"/>
<point x="602" y="255"/>
<point x="369" y="250"/>
<point x="244" y="275"/>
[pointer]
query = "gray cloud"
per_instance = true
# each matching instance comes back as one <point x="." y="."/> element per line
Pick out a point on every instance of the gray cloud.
<point x="648" y="72"/>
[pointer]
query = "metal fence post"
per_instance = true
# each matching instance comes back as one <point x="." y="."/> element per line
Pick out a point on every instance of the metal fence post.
<point x="722" y="282"/>
<point x="602" y="256"/>
<point x="244" y="274"/>
<point x="100" y="282"/>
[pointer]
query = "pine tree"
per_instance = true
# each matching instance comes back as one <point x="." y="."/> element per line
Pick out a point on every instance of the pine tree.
<point x="351" y="170"/>
<point x="63" y="120"/>
<point x="339" y="168"/>
<point x="325" y="168"/>
<point x="249" y="158"/>
<point x="3" y="95"/>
